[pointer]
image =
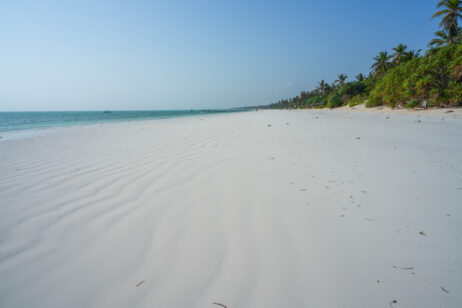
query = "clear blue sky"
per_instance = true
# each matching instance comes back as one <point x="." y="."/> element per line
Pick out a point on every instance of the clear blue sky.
<point x="98" y="55"/>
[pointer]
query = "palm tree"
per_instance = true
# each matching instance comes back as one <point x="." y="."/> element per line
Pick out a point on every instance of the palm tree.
<point x="360" y="77"/>
<point x="341" y="79"/>
<point x="451" y="12"/>
<point x="442" y="38"/>
<point x="328" y="88"/>
<point x="322" y="86"/>
<point x="399" y="54"/>
<point x="382" y="64"/>
<point x="412" y="54"/>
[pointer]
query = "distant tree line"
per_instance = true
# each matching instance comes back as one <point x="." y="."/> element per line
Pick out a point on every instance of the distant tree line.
<point x="405" y="78"/>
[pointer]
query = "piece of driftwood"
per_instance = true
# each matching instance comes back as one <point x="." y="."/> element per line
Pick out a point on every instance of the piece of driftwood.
<point x="220" y="305"/>
<point x="140" y="283"/>
<point x="444" y="290"/>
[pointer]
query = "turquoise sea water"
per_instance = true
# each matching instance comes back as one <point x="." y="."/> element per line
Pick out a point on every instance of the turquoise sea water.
<point x="15" y="121"/>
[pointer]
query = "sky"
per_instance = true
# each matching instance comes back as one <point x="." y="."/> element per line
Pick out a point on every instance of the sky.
<point x="153" y="55"/>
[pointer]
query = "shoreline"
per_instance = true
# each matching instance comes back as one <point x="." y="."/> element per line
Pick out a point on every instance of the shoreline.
<point x="453" y="112"/>
<point x="26" y="133"/>
<point x="59" y="121"/>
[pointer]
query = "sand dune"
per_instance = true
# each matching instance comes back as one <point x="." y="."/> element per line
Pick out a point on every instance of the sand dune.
<point x="320" y="209"/>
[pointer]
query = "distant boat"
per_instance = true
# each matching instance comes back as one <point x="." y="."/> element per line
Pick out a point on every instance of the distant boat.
<point x="106" y="111"/>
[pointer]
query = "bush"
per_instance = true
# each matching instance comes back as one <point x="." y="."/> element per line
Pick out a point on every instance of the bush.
<point x="315" y="101"/>
<point x="356" y="100"/>
<point x="437" y="77"/>
<point x="352" y="89"/>
<point x="455" y="92"/>
<point x="373" y="100"/>
<point x="412" y="103"/>
<point x="334" y="100"/>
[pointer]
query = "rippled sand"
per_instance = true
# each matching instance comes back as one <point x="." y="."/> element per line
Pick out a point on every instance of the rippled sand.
<point x="257" y="209"/>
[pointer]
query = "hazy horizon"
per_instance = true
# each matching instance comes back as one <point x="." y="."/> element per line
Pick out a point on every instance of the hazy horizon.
<point x="112" y="55"/>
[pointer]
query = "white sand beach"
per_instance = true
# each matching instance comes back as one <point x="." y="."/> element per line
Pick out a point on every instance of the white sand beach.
<point x="258" y="209"/>
<point x="454" y="111"/>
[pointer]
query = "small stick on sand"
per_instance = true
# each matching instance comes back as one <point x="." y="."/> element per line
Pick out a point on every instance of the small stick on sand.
<point x="220" y="305"/>
<point x="140" y="283"/>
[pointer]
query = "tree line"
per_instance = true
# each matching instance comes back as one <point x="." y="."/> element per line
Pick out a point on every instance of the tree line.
<point x="405" y="78"/>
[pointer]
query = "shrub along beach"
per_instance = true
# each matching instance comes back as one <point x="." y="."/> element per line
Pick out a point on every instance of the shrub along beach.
<point x="404" y="78"/>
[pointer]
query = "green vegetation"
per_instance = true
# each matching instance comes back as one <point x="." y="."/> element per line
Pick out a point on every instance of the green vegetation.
<point x="404" y="78"/>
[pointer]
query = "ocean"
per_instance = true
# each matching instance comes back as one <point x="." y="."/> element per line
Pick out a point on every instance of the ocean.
<point x="17" y="121"/>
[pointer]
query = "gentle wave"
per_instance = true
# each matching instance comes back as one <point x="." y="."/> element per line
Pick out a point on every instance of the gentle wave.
<point x="14" y="121"/>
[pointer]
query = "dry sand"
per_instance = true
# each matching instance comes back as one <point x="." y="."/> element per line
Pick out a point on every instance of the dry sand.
<point x="320" y="209"/>
<point x="455" y="112"/>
